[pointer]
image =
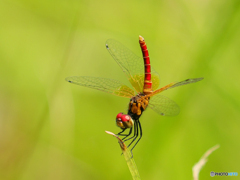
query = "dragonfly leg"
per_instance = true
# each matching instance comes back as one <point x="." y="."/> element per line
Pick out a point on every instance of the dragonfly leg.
<point x="120" y="133"/>
<point x="126" y="135"/>
<point x="140" y="129"/>
<point x="130" y="132"/>
<point x="135" y="137"/>
<point x="135" y="132"/>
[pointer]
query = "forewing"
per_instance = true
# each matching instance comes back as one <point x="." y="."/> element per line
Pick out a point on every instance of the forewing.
<point x="131" y="64"/>
<point x="163" y="105"/>
<point x="103" y="84"/>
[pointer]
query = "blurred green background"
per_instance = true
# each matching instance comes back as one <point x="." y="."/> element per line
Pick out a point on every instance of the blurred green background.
<point x="51" y="129"/>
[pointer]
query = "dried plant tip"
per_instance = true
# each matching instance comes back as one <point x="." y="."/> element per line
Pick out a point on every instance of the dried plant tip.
<point x="121" y="143"/>
<point x="128" y="157"/>
<point x="197" y="167"/>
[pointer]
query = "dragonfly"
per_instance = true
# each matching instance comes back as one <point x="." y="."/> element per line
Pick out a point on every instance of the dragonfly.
<point x="145" y="93"/>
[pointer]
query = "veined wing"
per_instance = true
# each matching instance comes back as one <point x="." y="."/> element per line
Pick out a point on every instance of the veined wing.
<point x="173" y="85"/>
<point x="163" y="105"/>
<point x="131" y="64"/>
<point x="103" y="84"/>
<point x="187" y="81"/>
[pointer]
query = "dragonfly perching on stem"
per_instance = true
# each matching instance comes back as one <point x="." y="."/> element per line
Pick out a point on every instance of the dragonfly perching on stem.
<point x="145" y="81"/>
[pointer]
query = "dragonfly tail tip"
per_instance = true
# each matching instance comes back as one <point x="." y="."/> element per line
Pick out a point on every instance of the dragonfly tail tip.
<point x="141" y="38"/>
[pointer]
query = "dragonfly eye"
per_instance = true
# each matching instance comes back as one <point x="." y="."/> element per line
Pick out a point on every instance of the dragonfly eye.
<point x="126" y="118"/>
<point x="119" y="115"/>
<point x="124" y="121"/>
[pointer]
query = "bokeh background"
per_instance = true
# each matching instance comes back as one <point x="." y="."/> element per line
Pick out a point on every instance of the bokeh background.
<point x="51" y="129"/>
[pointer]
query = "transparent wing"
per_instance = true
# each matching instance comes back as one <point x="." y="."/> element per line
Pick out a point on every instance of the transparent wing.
<point x="163" y="105"/>
<point x="131" y="64"/>
<point x="103" y="84"/>
<point x="173" y="85"/>
<point x="187" y="81"/>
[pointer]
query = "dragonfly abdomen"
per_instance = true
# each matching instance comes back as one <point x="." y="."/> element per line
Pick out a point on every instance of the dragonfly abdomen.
<point x="147" y="87"/>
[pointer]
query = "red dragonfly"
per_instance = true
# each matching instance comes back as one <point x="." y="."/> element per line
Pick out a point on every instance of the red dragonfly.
<point x="145" y="81"/>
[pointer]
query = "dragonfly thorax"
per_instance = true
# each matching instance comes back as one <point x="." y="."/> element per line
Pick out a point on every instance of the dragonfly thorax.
<point x="137" y="105"/>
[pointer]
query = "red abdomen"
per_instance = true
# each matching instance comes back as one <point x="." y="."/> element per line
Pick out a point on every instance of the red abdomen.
<point x="147" y="87"/>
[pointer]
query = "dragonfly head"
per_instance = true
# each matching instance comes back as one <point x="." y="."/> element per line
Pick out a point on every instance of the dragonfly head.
<point x="124" y="121"/>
